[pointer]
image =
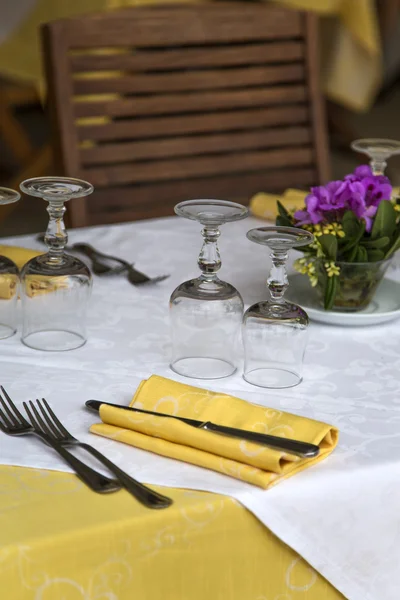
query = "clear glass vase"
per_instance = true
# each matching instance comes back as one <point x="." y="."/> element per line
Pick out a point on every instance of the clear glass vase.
<point x="55" y="287"/>
<point x="206" y="312"/>
<point x="357" y="283"/>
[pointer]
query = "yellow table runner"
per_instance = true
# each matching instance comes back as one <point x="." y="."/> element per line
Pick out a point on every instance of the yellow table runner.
<point x="60" y="541"/>
<point x="352" y="66"/>
<point x="256" y="464"/>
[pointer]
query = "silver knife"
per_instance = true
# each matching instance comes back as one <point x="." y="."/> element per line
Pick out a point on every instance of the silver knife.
<point x="302" y="449"/>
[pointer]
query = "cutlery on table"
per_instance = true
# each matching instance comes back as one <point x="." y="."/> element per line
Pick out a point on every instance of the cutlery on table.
<point x="102" y="264"/>
<point x="135" y="277"/>
<point x="56" y="430"/>
<point x="296" y="447"/>
<point x="13" y="423"/>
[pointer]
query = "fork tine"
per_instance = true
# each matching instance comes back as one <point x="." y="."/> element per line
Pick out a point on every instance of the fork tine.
<point x="6" y="421"/>
<point x="30" y="416"/>
<point x="49" y="422"/>
<point x="37" y="422"/>
<point x="12" y="416"/>
<point x="55" y="419"/>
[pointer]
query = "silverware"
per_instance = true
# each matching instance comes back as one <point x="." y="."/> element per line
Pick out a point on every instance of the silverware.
<point x="102" y="264"/>
<point x="296" y="447"/>
<point x="135" y="277"/>
<point x="13" y="423"/>
<point x="53" y="427"/>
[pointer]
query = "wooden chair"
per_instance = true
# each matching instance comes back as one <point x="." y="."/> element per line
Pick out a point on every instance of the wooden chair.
<point x="157" y="105"/>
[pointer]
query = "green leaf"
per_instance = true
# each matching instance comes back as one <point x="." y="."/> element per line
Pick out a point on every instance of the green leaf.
<point x="352" y="254"/>
<point x="355" y="239"/>
<point x="283" y="221"/>
<point x="282" y="210"/>
<point x="385" y="220"/>
<point x="350" y="224"/>
<point x="361" y="255"/>
<point x="329" y="245"/>
<point x="374" y="255"/>
<point x="330" y="292"/>
<point x="395" y="246"/>
<point x="378" y="243"/>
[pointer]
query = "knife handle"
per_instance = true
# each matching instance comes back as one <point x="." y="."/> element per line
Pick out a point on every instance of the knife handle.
<point x="302" y="449"/>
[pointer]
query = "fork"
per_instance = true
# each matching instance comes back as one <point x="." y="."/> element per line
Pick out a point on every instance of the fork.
<point x="53" y="427"/>
<point x="135" y="277"/>
<point x="13" y="423"/>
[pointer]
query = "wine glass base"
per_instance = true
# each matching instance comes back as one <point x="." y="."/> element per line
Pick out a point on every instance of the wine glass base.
<point x="54" y="340"/>
<point x="273" y="378"/>
<point x="200" y="367"/>
<point x="6" y="331"/>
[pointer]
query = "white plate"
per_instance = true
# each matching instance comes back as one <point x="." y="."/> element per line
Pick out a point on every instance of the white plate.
<point x="384" y="307"/>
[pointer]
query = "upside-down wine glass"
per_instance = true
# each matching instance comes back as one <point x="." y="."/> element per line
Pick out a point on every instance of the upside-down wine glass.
<point x="9" y="279"/>
<point x="275" y="331"/>
<point x="55" y="287"/>
<point x="206" y="313"/>
<point x="378" y="150"/>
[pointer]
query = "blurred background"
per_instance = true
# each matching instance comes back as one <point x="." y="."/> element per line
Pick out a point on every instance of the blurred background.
<point x="359" y="55"/>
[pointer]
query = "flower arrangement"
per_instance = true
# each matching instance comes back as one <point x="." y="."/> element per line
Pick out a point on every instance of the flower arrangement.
<point x="354" y="222"/>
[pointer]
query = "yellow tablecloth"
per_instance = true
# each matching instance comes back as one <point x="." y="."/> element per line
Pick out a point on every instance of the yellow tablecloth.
<point x="60" y="541"/>
<point x="352" y="67"/>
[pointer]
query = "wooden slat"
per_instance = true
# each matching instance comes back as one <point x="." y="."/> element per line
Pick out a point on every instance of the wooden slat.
<point x="144" y="201"/>
<point x="185" y="103"/>
<point x="194" y="145"/>
<point x="317" y="106"/>
<point x="198" y="24"/>
<point x="178" y="125"/>
<point x="171" y="59"/>
<point x="183" y="82"/>
<point x="197" y="166"/>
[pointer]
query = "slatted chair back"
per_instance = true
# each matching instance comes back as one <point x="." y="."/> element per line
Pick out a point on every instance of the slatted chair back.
<point x="154" y="105"/>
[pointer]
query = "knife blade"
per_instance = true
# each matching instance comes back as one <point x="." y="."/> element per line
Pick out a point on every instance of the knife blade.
<point x="296" y="447"/>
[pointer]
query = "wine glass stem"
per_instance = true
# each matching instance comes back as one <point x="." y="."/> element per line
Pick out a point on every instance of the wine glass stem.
<point x="278" y="281"/>
<point x="56" y="236"/>
<point x="378" y="166"/>
<point x="209" y="260"/>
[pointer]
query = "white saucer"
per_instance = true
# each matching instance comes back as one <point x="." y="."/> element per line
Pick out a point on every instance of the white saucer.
<point x="384" y="307"/>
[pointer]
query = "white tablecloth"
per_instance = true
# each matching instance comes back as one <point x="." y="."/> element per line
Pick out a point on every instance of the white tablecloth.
<point x="342" y="515"/>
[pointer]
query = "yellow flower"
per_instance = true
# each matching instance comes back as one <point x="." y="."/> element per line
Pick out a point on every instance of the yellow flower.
<point x="337" y="229"/>
<point x="331" y="268"/>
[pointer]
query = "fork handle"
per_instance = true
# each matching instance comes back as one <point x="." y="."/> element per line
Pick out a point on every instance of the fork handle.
<point x="96" y="481"/>
<point x="144" y="494"/>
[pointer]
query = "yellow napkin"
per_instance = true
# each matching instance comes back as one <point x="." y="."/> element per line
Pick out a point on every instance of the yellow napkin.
<point x="8" y="282"/>
<point x="18" y="255"/>
<point x="256" y="464"/>
<point x="264" y="205"/>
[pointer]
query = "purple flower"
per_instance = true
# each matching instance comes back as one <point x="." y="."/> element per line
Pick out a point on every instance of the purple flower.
<point x="359" y="173"/>
<point x="330" y="197"/>
<point x="360" y="192"/>
<point x="377" y="188"/>
<point x="358" y="203"/>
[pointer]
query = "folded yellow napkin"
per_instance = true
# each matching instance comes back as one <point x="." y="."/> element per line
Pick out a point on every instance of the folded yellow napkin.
<point x="18" y="255"/>
<point x="264" y="205"/>
<point x="254" y="463"/>
<point x="8" y="282"/>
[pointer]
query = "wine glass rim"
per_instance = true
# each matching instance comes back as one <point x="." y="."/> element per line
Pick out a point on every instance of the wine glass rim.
<point x="300" y="236"/>
<point x="86" y="188"/>
<point x="242" y="213"/>
<point x="374" y="141"/>
<point x="14" y="196"/>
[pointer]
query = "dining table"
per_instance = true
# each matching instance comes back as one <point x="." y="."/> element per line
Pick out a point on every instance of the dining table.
<point x="327" y="533"/>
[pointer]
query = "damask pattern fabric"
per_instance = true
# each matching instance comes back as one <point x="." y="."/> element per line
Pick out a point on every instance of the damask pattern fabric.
<point x="341" y="516"/>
